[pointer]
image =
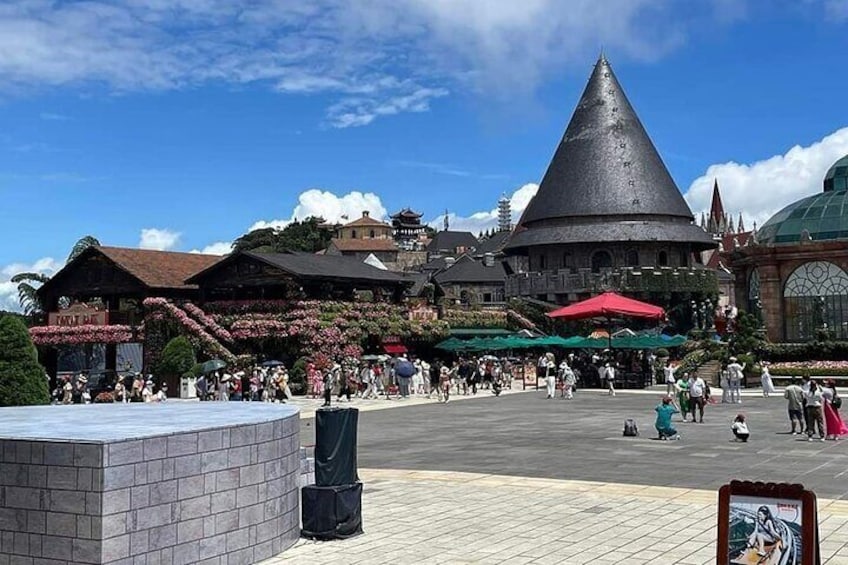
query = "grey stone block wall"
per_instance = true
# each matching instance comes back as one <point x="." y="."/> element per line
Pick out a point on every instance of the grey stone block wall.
<point x="221" y="497"/>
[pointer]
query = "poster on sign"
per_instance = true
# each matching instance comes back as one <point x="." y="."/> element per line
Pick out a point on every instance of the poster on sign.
<point x="767" y="524"/>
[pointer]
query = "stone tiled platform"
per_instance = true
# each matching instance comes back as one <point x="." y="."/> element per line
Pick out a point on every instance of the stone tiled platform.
<point x="144" y="484"/>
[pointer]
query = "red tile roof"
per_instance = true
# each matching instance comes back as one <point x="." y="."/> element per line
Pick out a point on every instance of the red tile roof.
<point x="727" y="245"/>
<point x="159" y="269"/>
<point x="366" y="221"/>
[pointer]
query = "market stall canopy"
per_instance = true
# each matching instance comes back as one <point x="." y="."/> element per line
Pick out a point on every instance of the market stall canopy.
<point x="608" y="305"/>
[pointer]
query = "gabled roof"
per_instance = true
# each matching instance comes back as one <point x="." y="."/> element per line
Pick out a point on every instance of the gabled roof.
<point x="153" y="269"/>
<point x="605" y="170"/>
<point x="493" y="244"/>
<point x="451" y="240"/>
<point x="714" y="260"/>
<point x="364" y="244"/>
<point x="366" y="221"/>
<point x="311" y="266"/>
<point x="468" y="270"/>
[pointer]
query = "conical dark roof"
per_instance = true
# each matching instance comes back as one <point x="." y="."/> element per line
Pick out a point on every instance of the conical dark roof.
<point x="606" y="169"/>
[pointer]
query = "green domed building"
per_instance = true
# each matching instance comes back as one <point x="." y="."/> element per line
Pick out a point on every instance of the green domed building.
<point x="795" y="272"/>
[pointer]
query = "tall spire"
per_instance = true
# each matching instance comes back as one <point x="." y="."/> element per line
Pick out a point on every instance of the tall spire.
<point x="605" y="163"/>
<point x="447" y="220"/>
<point x="740" y="226"/>
<point x="716" y="207"/>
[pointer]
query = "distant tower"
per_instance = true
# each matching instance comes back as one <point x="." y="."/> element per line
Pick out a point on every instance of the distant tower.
<point x="504" y="214"/>
<point x="740" y="227"/>
<point x="447" y="220"/>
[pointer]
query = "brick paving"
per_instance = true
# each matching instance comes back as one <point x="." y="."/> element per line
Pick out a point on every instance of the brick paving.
<point x="520" y="479"/>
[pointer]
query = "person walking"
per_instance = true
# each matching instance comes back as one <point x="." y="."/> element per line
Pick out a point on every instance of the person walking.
<point x="329" y="381"/>
<point x="765" y="379"/>
<point x="568" y="380"/>
<point x="664" y="411"/>
<point x="836" y="427"/>
<point x="814" y="402"/>
<point x="445" y="375"/>
<point x="734" y="370"/>
<point x="697" y="396"/>
<point x="794" y="396"/>
<point x="609" y="377"/>
<point x="550" y="374"/>
<point x="724" y="383"/>
<point x="670" y="380"/>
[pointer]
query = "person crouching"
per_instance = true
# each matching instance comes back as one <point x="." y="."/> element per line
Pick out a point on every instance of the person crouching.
<point x="740" y="428"/>
<point x="665" y="411"/>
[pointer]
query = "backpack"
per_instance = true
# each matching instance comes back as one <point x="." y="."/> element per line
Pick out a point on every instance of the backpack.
<point x="630" y="428"/>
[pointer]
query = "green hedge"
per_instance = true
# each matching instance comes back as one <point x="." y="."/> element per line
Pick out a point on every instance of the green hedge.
<point x="813" y="372"/>
<point x="819" y="350"/>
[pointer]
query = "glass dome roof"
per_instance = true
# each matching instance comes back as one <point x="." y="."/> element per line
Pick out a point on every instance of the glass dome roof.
<point x="824" y="216"/>
<point x="837" y="176"/>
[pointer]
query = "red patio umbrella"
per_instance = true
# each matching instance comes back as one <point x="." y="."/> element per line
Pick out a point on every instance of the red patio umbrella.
<point x="609" y="305"/>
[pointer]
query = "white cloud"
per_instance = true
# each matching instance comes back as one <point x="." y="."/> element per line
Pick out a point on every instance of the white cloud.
<point x="217" y="248"/>
<point x="333" y="208"/>
<point x="9" y="290"/>
<point x="372" y="58"/>
<point x="760" y="189"/>
<point x="158" y="239"/>
<point x="485" y="220"/>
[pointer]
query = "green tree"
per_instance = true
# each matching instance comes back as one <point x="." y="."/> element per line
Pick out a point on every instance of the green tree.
<point x="28" y="283"/>
<point x="177" y="358"/>
<point x="309" y="236"/>
<point x="81" y="245"/>
<point x="22" y="379"/>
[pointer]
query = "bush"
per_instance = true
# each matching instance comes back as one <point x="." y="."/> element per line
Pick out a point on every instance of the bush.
<point x="177" y="358"/>
<point x="22" y="379"/>
<point x="297" y="376"/>
<point x="662" y="352"/>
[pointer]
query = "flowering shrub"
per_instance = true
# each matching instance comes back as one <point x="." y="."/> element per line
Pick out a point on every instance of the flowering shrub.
<point x="520" y="320"/>
<point x="210" y="324"/>
<point x="476" y="318"/>
<point x="77" y="335"/>
<point x="199" y="337"/>
<point x="814" y="368"/>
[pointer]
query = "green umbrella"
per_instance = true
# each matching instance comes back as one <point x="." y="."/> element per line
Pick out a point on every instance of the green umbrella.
<point x="212" y="365"/>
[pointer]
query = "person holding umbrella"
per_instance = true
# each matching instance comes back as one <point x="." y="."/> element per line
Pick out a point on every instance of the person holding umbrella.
<point x="404" y="370"/>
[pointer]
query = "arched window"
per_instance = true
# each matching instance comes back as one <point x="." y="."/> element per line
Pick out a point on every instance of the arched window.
<point x="566" y="260"/>
<point x="372" y="234"/>
<point x="662" y="258"/>
<point x="353" y="234"/>
<point x="631" y="258"/>
<point x="601" y="260"/>
<point x="543" y="262"/>
<point x="815" y="297"/>
<point x="684" y="258"/>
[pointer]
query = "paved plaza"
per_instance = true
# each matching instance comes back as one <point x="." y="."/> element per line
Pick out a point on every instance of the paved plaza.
<point x="522" y="479"/>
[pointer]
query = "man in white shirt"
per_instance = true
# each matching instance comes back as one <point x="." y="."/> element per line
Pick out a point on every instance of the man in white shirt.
<point x="697" y="391"/>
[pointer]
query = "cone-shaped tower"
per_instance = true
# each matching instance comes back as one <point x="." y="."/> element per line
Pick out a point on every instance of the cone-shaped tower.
<point x="606" y="182"/>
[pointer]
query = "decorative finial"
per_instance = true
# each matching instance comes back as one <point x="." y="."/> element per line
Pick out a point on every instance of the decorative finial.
<point x="447" y="220"/>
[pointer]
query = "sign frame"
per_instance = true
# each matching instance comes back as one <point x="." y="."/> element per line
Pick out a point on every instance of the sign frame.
<point x="770" y="494"/>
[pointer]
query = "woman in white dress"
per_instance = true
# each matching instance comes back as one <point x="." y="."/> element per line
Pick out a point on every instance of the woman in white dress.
<point x="765" y="377"/>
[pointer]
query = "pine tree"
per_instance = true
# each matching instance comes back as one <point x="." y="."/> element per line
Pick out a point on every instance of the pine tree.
<point x="22" y="379"/>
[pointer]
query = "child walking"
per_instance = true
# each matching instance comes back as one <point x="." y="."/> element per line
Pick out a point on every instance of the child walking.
<point x="740" y="428"/>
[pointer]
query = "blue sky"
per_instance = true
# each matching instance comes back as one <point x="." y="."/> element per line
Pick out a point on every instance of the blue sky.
<point x="180" y="124"/>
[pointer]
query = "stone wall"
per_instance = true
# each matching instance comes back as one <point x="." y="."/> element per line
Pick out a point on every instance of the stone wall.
<point x="218" y="497"/>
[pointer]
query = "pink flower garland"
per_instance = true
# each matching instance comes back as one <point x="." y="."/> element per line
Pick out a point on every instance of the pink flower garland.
<point x="78" y="335"/>
<point x="207" y="321"/>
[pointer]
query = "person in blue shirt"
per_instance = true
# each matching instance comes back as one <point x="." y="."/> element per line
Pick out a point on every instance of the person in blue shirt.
<point x="663" y="424"/>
